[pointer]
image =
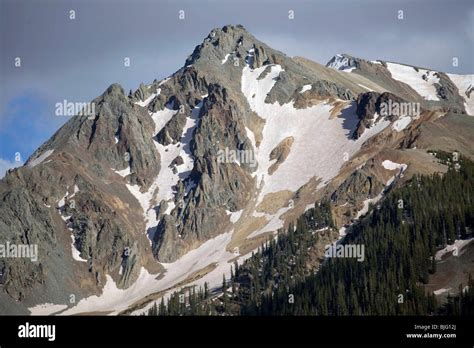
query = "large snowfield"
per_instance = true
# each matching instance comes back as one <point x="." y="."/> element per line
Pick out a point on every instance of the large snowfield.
<point x="113" y="299"/>
<point x="320" y="148"/>
<point x="321" y="144"/>
<point x="422" y="81"/>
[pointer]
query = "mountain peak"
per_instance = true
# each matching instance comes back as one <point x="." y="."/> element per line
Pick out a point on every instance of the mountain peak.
<point x="230" y="28"/>
<point x="227" y="30"/>
<point x="342" y="61"/>
<point x="230" y="39"/>
<point x="114" y="89"/>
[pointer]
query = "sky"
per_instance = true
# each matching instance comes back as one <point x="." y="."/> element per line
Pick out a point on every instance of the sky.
<point x="76" y="59"/>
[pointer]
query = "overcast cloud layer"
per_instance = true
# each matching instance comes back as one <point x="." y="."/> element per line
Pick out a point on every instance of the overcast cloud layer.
<point x="77" y="59"/>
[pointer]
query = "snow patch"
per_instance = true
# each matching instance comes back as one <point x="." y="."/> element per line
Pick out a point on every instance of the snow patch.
<point x="166" y="178"/>
<point x="169" y="208"/>
<point x="441" y="291"/>
<point x="274" y="222"/>
<point x="225" y="58"/>
<point x="389" y="165"/>
<point x="367" y="88"/>
<point x="145" y="199"/>
<point x="458" y="245"/>
<point x="76" y="255"/>
<point x="305" y="88"/>
<point x="164" y="81"/>
<point x="211" y="252"/>
<point x="367" y="202"/>
<point x="62" y="201"/>
<point x="401" y="123"/>
<point x="162" y="187"/>
<point x="162" y="117"/>
<point x="422" y="81"/>
<point x="465" y="85"/>
<point x="39" y="159"/>
<point x="234" y="216"/>
<point x="149" y="99"/>
<point x="46" y="309"/>
<point x="124" y="172"/>
<point x="342" y="232"/>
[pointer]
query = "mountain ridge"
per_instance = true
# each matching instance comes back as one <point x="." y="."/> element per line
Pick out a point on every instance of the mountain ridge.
<point x="139" y="186"/>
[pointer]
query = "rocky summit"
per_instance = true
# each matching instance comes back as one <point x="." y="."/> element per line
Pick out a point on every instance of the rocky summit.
<point x="137" y="200"/>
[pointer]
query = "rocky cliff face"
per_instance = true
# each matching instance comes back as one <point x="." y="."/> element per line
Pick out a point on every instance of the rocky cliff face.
<point x="370" y="110"/>
<point x="213" y="160"/>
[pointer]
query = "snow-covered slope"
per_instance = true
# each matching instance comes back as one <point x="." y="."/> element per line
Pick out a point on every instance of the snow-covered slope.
<point x="321" y="144"/>
<point x="186" y="212"/>
<point x="465" y="85"/>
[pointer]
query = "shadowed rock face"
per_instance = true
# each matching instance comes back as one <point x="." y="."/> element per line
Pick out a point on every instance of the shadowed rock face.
<point x="450" y="95"/>
<point x="88" y="189"/>
<point x="369" y="107"/>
